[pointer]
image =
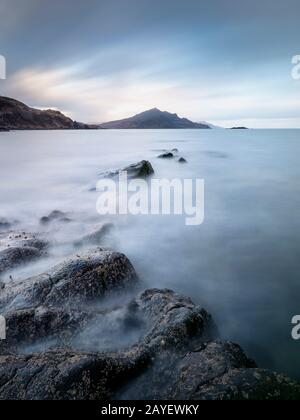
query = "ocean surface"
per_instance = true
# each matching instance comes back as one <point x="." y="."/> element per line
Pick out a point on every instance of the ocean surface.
<point x="242" y="264"/>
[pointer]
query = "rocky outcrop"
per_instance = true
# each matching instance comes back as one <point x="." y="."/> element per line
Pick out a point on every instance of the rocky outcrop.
<point x="15" y="115"/>
<point x="141" y="169"/>
<point x="177" y="357"/>
<point x="18" y="248"/>
<point x="154" y="118"/>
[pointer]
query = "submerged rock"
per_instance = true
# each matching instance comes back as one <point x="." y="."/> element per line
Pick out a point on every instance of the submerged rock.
<point x="56" y="215"/>
<point x="136" y="170"/>
<point x="96" y="237"/>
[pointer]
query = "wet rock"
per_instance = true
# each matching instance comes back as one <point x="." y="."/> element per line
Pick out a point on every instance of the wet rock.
<point x="28" y="326"/>
<point x="182" y="160"/>
<point x="166" y="155"/>
<point x="172" y="360"/>
<point x="56" y="215"/>
<point x="96" y="237"/>
<point x="78" y="279"/>
<point x="141" y="169"/>
<point x="174" y="321"/>
<point x="18" y="248"/>
<point x="215" y="371"/>
<point x="63" y="375"/>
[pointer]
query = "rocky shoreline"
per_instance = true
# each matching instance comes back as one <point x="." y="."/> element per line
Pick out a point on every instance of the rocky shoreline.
<point x="166" y="346"/>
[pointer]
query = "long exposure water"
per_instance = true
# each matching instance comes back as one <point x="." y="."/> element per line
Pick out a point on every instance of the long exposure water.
<point x="242" y="264"/>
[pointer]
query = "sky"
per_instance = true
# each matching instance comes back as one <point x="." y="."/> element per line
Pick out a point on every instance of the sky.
<point x="226" y="62"/>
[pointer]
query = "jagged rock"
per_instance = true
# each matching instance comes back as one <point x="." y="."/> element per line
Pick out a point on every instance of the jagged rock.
<point x="18" y="248"/>
<point x="136" y="170"/>
<point x="96" y="237"/>
<point x="56" y="215"/>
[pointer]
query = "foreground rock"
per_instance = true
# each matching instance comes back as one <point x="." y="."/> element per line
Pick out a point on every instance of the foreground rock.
<point x="136" y="170"/>
<point x="177" y="357"/>
<point x="215" y="371"/>
<point x="18" y="248"/>
<point x="62" y="375"/>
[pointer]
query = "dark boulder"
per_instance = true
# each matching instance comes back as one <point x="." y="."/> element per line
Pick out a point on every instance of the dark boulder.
<point x="182" y="160"/>
<point x="78" y="279"/>
<point x="63" y="375"/>
<point x="141" y="169"/>
<point x="166" y="155"/>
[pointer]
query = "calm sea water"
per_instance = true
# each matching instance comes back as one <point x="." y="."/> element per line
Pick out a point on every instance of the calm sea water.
<point x="242" y="264"/>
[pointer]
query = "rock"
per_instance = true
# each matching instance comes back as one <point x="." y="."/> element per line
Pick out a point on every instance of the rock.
<point x="215" y="371"/>
<point x="96" y="237"/>
<point x="74" y="281"/>
<point x="18" y="248"/>
<point x="177" y="358"/>
<point x="182" y="160"/>
<point x="175" y="150"/>
<point x="13" y="257"/>
<point x="174" y="321"/>
<point x="136" y="170"/>
<point x="56" y="215"/>
<point x="63" y="375"/>
<point x="166" y="155"/>
<point x="29" y="326"/>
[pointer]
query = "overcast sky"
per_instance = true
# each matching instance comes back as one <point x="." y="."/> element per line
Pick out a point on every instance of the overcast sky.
<point x="223" y="61"/>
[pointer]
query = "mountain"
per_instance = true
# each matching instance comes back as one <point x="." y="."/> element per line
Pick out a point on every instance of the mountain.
<point x="15" y="115"/>
<point x="154" y="118"/>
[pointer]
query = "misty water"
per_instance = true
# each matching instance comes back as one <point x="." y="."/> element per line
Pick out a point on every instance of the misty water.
<point x="242" y="264"/>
